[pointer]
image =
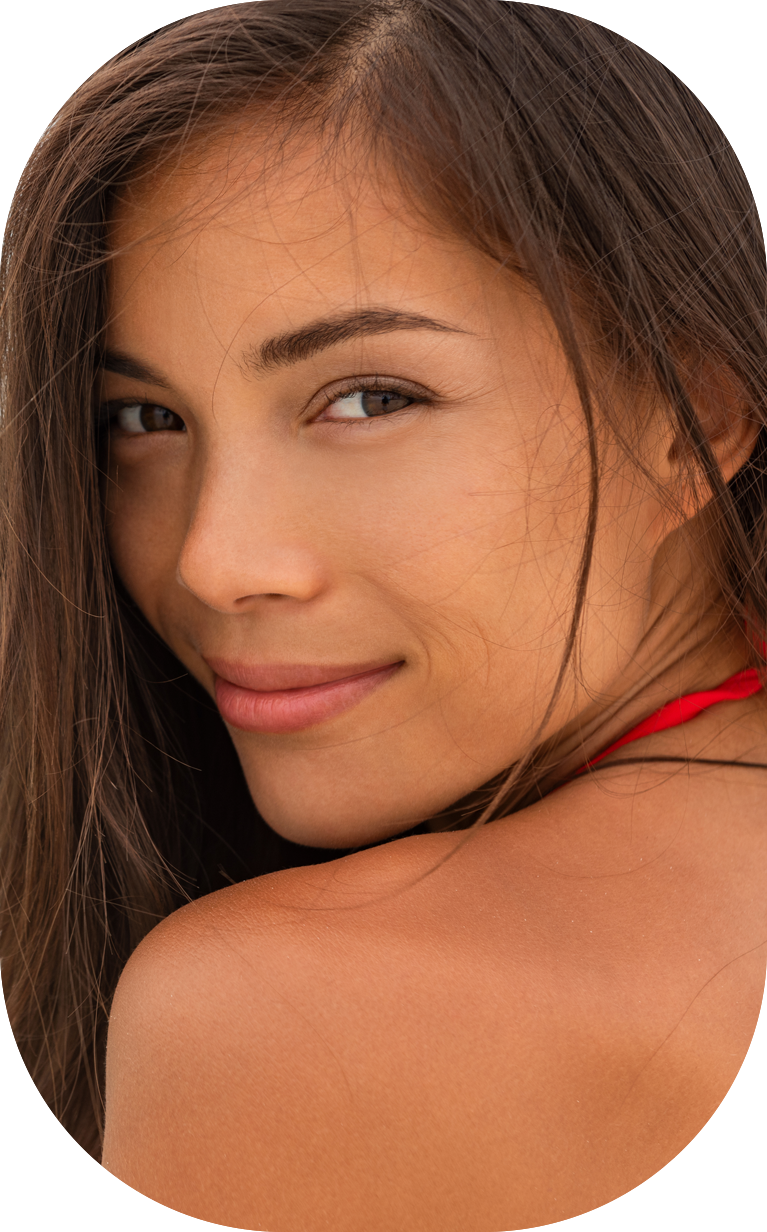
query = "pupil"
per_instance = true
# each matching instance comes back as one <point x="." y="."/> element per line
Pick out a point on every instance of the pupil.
<point x="381" y="401"/>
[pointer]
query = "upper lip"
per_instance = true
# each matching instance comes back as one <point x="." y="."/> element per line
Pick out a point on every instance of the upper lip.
<point x="276" y="677"/>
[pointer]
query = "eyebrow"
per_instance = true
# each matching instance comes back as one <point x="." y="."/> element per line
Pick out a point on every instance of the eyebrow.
<point x="309" y="340"/>
<point x="293" y="347"/>
<point x="124" y="365"/>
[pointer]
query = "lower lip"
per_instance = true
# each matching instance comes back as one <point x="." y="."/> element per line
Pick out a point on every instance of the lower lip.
<point x="292" y="710"/>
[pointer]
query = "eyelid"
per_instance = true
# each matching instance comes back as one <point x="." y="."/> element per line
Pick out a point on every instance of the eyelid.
<point x="106" y="411"/>
<point x="370" y="384"/>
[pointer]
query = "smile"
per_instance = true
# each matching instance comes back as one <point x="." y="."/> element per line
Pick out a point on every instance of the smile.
<point x="282" y="699"/>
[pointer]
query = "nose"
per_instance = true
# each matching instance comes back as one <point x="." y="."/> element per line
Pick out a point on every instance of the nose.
<point x="247" y="542"/>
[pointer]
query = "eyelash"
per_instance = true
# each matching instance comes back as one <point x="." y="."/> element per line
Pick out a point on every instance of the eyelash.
<point x="403" y="389"/>
<point x="107" y="412"/>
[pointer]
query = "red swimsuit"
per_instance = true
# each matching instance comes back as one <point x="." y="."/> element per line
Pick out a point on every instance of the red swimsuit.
<point x="682" y="709"/>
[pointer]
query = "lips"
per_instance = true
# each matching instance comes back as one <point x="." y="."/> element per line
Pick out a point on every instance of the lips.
<point x="283" y="698"/>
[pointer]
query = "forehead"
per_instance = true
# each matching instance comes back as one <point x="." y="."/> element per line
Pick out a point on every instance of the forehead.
<point x="286" y="224"/>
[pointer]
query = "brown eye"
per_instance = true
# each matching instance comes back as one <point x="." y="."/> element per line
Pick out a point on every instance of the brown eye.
<point x="382" y="401"/>
<point x="368" y="403"/>
<point x="140" y="417"/>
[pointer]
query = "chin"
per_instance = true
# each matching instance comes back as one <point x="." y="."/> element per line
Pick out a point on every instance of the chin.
<point x="336" y="820"/>
<point x="350" y="794"/>
<point x="334" y="830"/>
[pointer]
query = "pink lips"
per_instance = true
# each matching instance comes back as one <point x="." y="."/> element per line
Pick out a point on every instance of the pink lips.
<point x="287" y="698"/>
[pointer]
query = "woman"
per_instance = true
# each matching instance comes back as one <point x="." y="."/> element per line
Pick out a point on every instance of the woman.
<point x="425" y="350"/>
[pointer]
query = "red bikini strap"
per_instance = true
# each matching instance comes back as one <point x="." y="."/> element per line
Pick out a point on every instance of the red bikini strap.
<point x="682" y="709"/>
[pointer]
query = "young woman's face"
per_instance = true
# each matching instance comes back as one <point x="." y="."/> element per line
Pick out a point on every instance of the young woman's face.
<point x="347" y="485"/>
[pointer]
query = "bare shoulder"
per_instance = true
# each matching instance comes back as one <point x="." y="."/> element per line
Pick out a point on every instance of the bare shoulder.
<point x="243" y="951"/>
<point x="240" y="1019"/>
<point x="303" y="906"/>
<point x="408" y="1036"/>
<point x="222" y="963"/>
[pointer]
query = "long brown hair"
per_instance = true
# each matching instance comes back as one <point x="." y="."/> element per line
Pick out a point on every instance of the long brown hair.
<point x="551" y="144"/>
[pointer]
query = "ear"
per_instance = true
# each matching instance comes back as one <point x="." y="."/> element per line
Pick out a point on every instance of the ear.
<point x="725" y="414"/>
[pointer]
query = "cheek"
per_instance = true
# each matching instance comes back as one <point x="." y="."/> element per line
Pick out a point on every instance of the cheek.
<point x="479" y="547"/>
<point x="481" y="539"/>
<point x="144" y="520"/>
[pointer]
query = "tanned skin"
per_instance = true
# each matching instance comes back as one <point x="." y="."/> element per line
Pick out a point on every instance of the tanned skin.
<point x="447" y="1032"/>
